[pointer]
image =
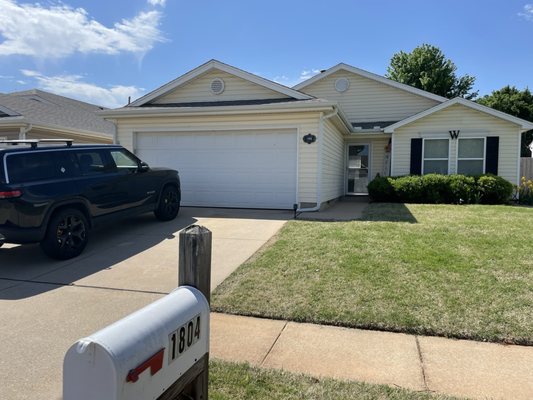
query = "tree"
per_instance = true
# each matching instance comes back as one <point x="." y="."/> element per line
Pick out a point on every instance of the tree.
<point x="427" y="68"/>
<point x="515" y="102"/>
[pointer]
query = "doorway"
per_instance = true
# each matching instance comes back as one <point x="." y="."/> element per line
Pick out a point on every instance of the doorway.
<point x="358" y="168"/>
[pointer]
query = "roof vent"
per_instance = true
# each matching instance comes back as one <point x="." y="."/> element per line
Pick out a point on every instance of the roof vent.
<point x="342" y="85"/>
<point x="217" y="86"/>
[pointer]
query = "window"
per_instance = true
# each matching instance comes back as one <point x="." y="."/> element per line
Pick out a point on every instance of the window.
<point x="31" y="167"/>
<point x="435" y="153"/>
<point x="91" y="162"/>
<point x="471" y="156"/>
<point x="124" y="161"/>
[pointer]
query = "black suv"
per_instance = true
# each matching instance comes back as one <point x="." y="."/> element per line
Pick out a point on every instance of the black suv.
<point x="54" y="194"/>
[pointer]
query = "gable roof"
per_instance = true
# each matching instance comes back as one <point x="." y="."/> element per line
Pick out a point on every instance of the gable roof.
<point x="214" y="64"/>
<point x="372" y="76"/>
<point x="49" y="110"/>
<point x="525" y="125"/>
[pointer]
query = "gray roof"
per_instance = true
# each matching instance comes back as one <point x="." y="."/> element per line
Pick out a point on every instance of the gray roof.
<point x="222" y="103"/>
<point x="372" y="124"/>
<point x="43" y="108"/>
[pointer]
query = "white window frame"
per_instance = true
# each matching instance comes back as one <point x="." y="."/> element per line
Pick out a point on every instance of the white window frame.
<point x="484" y="159"/>
<point x="435" y="159"/>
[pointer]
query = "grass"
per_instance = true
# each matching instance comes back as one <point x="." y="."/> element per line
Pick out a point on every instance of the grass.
<point x="454" y="271"/>
<point x="239" y="381"/>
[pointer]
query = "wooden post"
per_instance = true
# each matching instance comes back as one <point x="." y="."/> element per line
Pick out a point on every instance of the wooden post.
<point x="195" y="270"/>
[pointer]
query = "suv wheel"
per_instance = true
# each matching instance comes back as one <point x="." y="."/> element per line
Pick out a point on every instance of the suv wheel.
<point x="66" y="234"/>
<point x="169" y="204"/>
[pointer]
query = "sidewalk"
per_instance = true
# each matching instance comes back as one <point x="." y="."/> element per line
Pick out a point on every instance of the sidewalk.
<point x="454" y="367"/>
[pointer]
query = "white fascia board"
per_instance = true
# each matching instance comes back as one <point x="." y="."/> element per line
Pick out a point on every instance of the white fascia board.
<point x="214" y="64"/>
<point x="525" y="125"/>
<point x="77" y="132"/>
<point x="13" y="121"/>
<point x="372" y="76"/>
<point x="214" y="110"/>
<point x="368" y="135"/>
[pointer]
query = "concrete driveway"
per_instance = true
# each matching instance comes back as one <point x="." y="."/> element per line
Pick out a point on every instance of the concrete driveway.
<point x="47" y="305"/>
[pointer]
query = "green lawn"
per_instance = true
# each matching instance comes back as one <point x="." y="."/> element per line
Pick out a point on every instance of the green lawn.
<point x="239" y="381"/>
<point x="456" y="271"/>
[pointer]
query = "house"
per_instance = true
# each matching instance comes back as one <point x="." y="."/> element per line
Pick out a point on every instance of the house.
<point x="240" y="140"/>
<point x="36" y="114"/>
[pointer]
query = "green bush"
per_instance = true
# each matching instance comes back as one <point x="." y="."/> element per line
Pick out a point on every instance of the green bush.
<point x="408" y="189"/>
<point x="494" y="189"/>
<point x="436" y="188"/>
<point x="463" y="189"/>
<point x="381" y="189"/>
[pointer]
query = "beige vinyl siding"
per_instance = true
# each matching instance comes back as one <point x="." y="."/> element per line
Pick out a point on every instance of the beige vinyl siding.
<point x="9" y="135"/>
<point x="471" y="123"/>
<point x="235" y="88"/>
<point x="367" y="100"/>
<point x="333" y="152"/>
<point x="377" y="153"/>
<point x="304" y="123"/>
<point x="38" y="134"/>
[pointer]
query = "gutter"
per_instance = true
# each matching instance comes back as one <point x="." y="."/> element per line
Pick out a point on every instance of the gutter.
<point x="320" y="143"/>
<point x="213" y="110"/>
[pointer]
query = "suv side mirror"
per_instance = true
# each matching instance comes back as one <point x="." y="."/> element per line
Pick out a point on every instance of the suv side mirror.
<point x="143" y="167"/>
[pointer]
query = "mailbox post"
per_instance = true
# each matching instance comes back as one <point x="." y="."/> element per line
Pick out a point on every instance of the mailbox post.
<point x="195" y="271"/>
<point x="159" y="352"/>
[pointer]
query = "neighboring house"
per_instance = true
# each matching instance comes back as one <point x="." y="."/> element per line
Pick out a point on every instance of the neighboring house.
<point x="35" y="114"/>
<point x="240" y="140"/>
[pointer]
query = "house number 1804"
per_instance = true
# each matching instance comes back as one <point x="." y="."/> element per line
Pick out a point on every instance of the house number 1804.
<point x="183" y="338"/>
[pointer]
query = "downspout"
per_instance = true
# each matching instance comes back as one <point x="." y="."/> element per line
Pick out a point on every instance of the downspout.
<point x="115" y="131"/>
<point x="24" y="130"/>
<point x="320" y="143"/>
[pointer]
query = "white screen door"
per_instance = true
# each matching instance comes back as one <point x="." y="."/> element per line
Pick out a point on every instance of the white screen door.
<point x="358" y="168"/>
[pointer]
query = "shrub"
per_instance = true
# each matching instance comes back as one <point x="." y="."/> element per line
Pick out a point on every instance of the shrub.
<point x="380" y="189"/>
<point x="494" y="189"/>
<point x="463" y="189"/>
<point x="525" y="191"/>
<point x="436" y="188"/>
<point x="408" y="189"/>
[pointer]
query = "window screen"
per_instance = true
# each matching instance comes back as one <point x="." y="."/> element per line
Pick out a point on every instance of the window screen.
<point x="436" y="153"/>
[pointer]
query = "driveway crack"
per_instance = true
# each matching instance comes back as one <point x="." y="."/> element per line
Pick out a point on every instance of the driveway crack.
<point x="422" y="367"/>
<point x="273" y="344"/>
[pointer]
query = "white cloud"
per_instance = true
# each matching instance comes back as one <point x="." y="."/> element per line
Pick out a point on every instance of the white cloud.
<point x="527" y="13"/>
<point x="161" y="3"/>
<point x="60" y="30"/>
<point x="291" y="81"/>
<point x="73" y="86"/>
<point x="306" y="74"/>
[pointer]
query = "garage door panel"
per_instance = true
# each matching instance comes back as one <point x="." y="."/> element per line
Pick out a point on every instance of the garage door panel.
<point x="228" y="169"/>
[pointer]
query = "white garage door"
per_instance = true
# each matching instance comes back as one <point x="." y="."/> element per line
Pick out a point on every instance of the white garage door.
<point x="250" y="169"/>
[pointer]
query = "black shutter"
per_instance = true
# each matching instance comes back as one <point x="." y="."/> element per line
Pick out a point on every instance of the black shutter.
<point x="491" y="154"/>
<point x="416" y="157"/>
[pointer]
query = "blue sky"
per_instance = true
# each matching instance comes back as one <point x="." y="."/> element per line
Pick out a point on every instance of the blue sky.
<point x="104" y="51"/>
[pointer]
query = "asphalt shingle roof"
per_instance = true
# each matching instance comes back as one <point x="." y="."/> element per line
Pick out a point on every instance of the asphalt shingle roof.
<point x="39" y="107"/>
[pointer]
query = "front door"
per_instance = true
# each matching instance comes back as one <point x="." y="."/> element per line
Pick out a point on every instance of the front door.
<point x="358" y="168"/>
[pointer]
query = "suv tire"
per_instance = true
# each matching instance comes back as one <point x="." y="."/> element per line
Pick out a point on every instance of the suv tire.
<point x="169" y="204"/>
<point x="67" y="234"/>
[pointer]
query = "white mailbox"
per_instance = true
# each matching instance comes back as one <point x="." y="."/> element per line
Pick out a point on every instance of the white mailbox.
<point x="142" y="355"/>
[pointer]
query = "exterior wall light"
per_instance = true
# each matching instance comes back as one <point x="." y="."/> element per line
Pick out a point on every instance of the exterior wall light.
<point x="309" y="138"/>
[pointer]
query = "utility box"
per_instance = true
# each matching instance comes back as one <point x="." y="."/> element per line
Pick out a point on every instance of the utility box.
<point x="142" y="355"/>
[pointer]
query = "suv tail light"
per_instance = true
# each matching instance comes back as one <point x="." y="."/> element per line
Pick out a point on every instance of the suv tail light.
<point x="10" y="194"/>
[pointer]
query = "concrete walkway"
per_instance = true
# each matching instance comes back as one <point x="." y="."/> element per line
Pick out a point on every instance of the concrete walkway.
<point x="454" y="367"/>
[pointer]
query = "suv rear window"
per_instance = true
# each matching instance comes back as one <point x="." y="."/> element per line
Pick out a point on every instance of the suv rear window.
<point x="40" y="166"/>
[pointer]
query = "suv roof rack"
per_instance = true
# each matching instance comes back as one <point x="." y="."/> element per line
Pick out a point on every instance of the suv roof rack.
<point x="34" y="142"/>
